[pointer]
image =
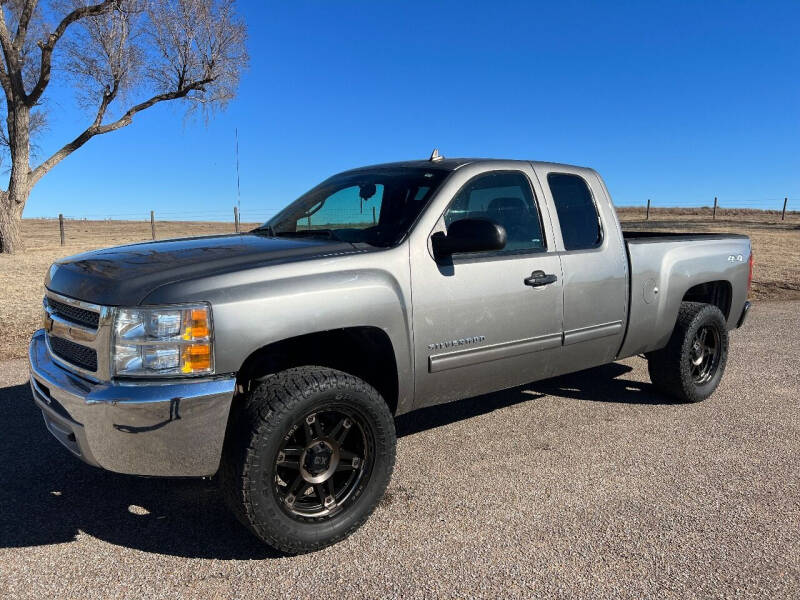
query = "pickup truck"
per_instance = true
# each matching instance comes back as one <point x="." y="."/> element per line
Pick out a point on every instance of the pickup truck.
<point x="275" y="360"/>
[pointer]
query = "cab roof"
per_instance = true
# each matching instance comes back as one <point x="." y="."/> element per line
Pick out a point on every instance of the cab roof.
<point x="451" y="164"/>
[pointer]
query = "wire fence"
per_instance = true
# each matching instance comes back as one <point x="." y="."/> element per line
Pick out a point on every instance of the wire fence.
<point x="174" y="215"/>
<point x="770" y="207"/>
<point x="770" y="210"/>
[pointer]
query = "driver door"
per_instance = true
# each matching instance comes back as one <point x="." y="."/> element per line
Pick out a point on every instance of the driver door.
<point x="481" y="321"/>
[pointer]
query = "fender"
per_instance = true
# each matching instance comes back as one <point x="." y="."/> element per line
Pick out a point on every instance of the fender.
<point x="660" y="280"/>
<point x="260" y="306"/>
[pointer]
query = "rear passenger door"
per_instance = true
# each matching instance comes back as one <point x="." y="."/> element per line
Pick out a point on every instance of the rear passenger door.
<point x="594" y="265"/>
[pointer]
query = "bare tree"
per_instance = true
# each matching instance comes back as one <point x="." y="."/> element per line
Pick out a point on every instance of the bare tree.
<point x="121" y="57"/>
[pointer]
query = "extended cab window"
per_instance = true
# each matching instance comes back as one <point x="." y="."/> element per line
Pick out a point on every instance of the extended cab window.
<point x="577" y="214"/>
<point x="505" y="198"/>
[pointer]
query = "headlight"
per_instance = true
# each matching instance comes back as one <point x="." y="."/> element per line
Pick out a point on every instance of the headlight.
<point x="170" y="340"/>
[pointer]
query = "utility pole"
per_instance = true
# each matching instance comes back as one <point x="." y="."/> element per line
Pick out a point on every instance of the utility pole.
<point x="714" y="213"/>
<point x="153" y="224"/>
<point x="647" y="216"/>
<point x="238" y="189"/>
<point x="783" y="214"/>
<point x="61" y="225"/>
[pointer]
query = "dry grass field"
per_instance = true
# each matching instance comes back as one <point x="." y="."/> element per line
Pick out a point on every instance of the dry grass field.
<point x="22" y="275"/>
<point x="776" y="243"/>
<point x="776" y="246"/>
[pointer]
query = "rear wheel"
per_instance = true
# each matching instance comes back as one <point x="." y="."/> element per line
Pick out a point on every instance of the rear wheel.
<point x="308" y="457"/>
<point x="691" y="365"/>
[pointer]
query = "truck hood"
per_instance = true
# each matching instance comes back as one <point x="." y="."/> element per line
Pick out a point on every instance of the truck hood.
<point x="125" y="275"/>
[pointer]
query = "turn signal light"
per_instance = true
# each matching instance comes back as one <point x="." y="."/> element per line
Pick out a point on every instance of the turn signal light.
<point x="196" y="358"/>
<point x="197" y="325"/>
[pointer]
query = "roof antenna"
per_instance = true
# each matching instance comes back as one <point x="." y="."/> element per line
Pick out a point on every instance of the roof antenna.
<point x="435" y="156"/>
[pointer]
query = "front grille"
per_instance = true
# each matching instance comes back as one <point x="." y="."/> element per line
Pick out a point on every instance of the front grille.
<point x="81" y="316"/>
<point x="80" y="356"/>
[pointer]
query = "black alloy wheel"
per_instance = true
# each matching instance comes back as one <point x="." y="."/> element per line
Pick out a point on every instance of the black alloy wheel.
<point x="322" y="459"/>
<point x="705" y="353"/>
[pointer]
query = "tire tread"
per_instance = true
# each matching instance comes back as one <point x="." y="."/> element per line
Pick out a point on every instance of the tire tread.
<point x="667" y="367"/>
<point x="256" y="420"/>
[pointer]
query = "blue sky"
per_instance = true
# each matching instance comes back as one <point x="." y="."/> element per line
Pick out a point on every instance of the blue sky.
<point x="678" y="102"/>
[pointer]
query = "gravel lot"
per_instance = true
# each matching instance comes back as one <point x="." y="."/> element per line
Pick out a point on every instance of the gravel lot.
<point x="587" y="485"/>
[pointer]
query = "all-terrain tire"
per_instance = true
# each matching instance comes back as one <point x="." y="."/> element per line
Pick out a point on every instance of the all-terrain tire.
<point x="258" y="431"/>
<point x="673" y="370"/>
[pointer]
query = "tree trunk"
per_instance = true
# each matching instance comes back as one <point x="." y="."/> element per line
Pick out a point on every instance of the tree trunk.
<point x="13" y="201"/>
<point x="10" y="223"/>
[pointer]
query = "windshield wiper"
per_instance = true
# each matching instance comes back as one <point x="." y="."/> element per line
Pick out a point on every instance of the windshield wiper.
<point x="326" y="233"/>
<point x="265" y="229"/>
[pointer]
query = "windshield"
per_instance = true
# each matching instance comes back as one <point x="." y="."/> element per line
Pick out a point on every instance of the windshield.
<point x="374" y="206"/>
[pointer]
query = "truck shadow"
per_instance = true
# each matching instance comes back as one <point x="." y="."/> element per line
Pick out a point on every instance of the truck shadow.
<point x="600" y="384"/>
<point x="50" y="497"/>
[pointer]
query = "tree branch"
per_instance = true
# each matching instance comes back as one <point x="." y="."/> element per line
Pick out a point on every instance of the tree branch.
<point x="47" y="46"/>
<point x="5" y="81"/>
<point x="12" y="57"/>
<point x="24" y="21"/>
<point x="97" y="129"/>
<point x="5" y="37"/>
<point x="108" y="97"/>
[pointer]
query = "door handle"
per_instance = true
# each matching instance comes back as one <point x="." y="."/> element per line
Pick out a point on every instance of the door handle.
<point x="540" y="278"/>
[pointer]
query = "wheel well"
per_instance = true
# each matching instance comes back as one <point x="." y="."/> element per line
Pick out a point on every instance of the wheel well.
<point x="365" y="352"/>
<point x="717" y="293"/>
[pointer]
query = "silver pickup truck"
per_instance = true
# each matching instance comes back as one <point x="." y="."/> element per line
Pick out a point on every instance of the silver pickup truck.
<point x="276" y="359"/>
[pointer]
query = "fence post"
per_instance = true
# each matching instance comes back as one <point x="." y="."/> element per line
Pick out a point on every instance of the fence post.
<point x="647" y="216"/>
<point x="714" y="213"/>
<point x="61" y="227"/>
<point x="153" y="224"/>
<point x="783" y="214"/>
<point x="236" y="218"/>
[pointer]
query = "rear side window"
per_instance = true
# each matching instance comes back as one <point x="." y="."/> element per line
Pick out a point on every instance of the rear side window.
<point x="577" y="213"/>
<point x="506" y="199"/>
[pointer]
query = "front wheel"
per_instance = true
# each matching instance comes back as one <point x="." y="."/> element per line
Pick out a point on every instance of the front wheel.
<point x="691" y="365"/>
<point x="308" y="457"/>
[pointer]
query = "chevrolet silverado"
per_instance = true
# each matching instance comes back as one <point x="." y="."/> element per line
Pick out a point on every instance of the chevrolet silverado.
<point x="275" y="360"/>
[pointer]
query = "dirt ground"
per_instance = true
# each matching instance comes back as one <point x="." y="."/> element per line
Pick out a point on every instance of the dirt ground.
<point x="776" y="246"/>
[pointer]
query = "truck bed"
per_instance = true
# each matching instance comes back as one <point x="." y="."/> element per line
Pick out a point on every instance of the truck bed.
<point x="662" y="236"/>
<point x="664" y="269"/>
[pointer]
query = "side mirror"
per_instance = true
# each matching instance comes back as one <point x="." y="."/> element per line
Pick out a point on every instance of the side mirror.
<point x="469" y="235"/>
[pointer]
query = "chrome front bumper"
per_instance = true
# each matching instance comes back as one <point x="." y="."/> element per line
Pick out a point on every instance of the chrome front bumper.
<point x="172" y="428"/>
